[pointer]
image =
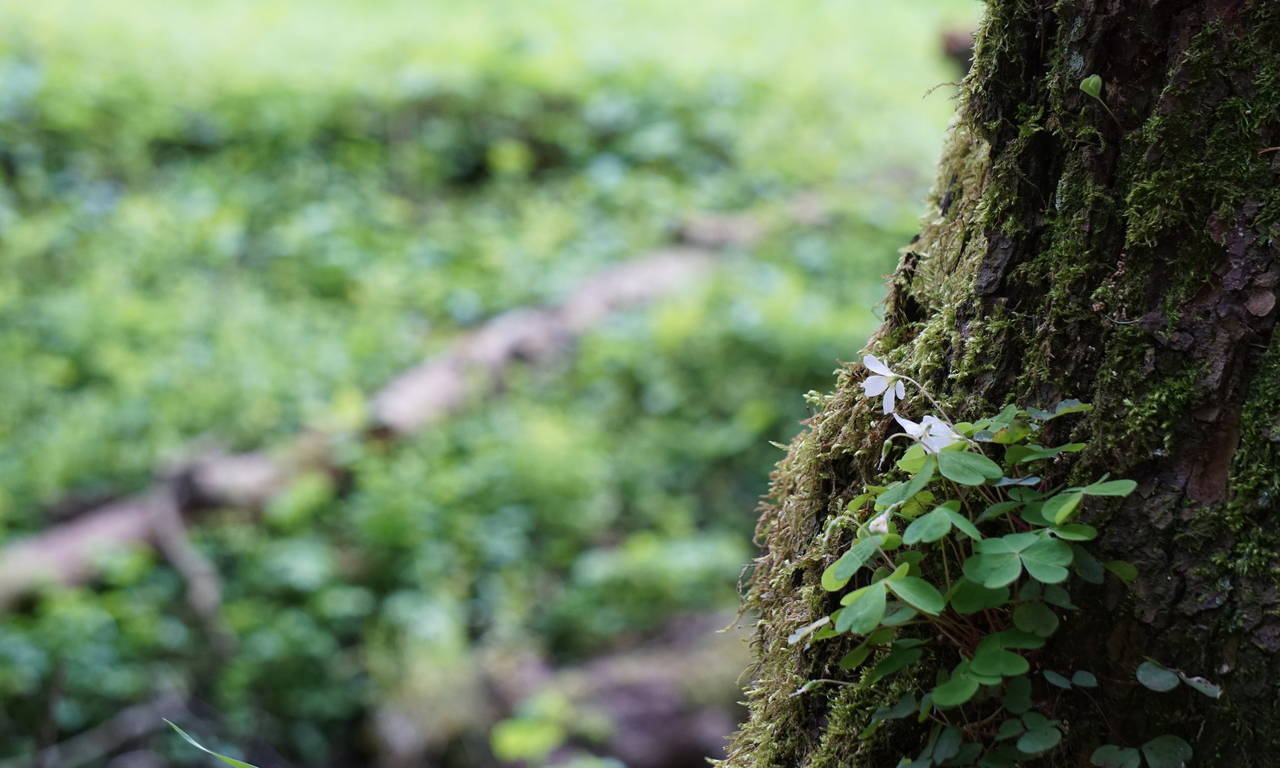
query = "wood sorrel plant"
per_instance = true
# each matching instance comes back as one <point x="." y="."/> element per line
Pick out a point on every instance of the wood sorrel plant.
<point x="974" y="556"/>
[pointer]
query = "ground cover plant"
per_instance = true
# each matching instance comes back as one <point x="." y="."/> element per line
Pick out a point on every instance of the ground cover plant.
<point x="222" y="223"/>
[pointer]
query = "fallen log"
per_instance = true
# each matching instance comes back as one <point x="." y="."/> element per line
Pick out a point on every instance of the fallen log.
<point x="473" y="365"/>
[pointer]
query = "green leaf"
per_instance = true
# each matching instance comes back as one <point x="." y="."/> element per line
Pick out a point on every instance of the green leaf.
<point x="900" y="614"/>
<point x="1013" y="431"/>
<point x="881" y="637"/>
<point x="998" y="509"/>
<point x="956" y="691"/>
<point x="961" y="522"/>
<point x="1070" y="406"/>
<point x="1036" y="618"/>
<point x="928" y="528"/>
<point x="993" y="571"/>
<point x="982" y="679"/>
<point x="912" y="558"/>
<point x="1084" y="679"/>
<point x="1086" y="565"/>
<point x="1001" y="757"/>
<point x="1026" y="494"/>
<point x="1066" y="406"/>
<point x="913" y="459"/>
<point x="1045" y="560"/>
<point x="838" y="573"/>
<point x="902" y="708"/>
<point x="864" y="608"/>
<point x="1034" y="720"/>
<point x="1008" y="481"/>
<point x="896" y="661"/>
<point x="991" y="659"/>
<point x="1112" y="756"/>
<point x="948" y="744"/>
<point x="967" y="468"/>
<point x="1039" y="740"/>
<point x="1167" y="751"/>
<point x="918" y="593"/>
<point x="1017" y="695"/>
<point x="969" y="597"/>
<point x="1110" y="488"/>
<point x="1056" y="595"/>
<point x="202" y="748"/>
<point x="966" y="756"/>
<point x="1156" y="677"/>
<point x="1056" y="679"/>
<point x="1010" y="728"/>
<point x="1013" y="542"/>
<point x="900" y="492"/>
<point x="916" y="505"/>
<point x="857" y="501"/>
<point x="1062" y="507"/>
<point x="853" y="659"/>
<point x="1123" y="571"/>
<point x="1029" y="453"/>
<point x="1016" y="638"/>
<point x="1076" y="532"/>
<point x="910" y="642"/>
<point x="1033" y="513"/>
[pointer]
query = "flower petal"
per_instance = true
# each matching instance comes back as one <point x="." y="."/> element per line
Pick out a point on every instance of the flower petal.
<point x="909" y="426"/>
<point x="902" y="390"/>
<point x="875" y="366"/>
<point x="888" y="400"/>
<point x="874" y="385"/>
<point x="880" y="524"/>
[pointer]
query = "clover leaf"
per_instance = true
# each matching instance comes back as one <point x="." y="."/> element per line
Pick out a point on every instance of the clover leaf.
<point x="999" y="562"/>
<point x="968" y="468"/>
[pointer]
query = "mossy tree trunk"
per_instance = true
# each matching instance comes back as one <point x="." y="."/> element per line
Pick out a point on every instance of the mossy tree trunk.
<point x="1126" y="255"/>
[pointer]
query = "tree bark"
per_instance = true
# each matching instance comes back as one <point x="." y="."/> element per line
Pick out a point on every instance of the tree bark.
<point x="1121" y="251"/>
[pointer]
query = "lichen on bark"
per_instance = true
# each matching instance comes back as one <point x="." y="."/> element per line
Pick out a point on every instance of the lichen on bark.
<point x="1127" y="260"/>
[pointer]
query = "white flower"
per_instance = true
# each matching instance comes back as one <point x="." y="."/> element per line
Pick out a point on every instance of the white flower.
<point x="932" y="433"/>
<point x="885" y="381"/>
<point x="880" y="524"/>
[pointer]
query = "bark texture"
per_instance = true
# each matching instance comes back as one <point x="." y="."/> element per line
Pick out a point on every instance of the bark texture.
<point x="1128" y="258"/>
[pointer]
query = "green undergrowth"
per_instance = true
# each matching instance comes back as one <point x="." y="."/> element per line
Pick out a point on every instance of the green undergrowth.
<point x="292" y="228"/>
<point x="225" y="222"/>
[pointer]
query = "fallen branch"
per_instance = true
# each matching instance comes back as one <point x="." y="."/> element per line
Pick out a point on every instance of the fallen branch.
<point x="473" y="365"/>
<point x="103" y="739"/>
<point x="204" y="588"/>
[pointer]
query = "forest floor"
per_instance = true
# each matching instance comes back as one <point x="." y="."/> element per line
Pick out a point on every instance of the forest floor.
<point x="226" y="225"/>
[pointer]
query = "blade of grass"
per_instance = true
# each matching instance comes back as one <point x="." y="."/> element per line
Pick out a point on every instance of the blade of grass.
<point x="206" y="750"/>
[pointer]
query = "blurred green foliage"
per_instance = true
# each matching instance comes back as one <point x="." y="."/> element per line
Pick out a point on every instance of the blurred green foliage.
<point x="227" y="220"/>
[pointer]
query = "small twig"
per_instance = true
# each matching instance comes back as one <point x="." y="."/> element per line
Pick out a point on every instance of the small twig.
<point x="1113" y="114"/>
<point x="925" y="392"/>
<point x="204" y="588"/>
<point x="1268" y="149"/>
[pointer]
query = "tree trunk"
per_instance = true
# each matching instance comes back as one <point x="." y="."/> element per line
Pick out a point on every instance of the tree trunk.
<point x="1122" y="251"/>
